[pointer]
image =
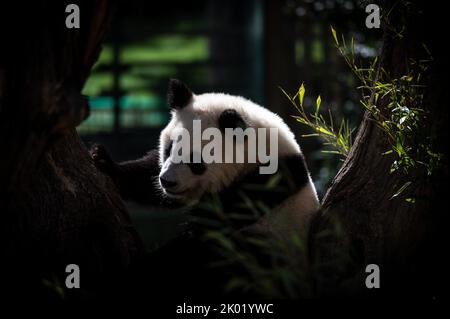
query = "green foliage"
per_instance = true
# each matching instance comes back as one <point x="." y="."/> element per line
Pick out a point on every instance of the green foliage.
<point x="55" y="286"/>
<point x="340" y="139"/>
<point x="269" y="265"/>
<point x="261" y="265"/>
<point x="401" y="115"/>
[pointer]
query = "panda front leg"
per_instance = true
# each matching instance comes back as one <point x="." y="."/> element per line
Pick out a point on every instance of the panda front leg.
<point x="137" y="180"/>
<point x="103" y="160"/>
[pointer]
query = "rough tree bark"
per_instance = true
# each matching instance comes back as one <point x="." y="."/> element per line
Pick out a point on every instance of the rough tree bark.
<point x="56" y="208"/>
<point x="405" y="240"/>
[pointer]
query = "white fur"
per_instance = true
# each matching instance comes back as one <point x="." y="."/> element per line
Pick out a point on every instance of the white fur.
<point x="208" y="107"/>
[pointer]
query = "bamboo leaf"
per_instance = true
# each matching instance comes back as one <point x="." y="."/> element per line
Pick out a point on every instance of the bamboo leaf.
<point x="324" y="131"/>
<point x="310" y="135"/>
<point x="286" y="94"/>
<point x="334" y="35"/>
<point x="318" y="101"/>
<point x="302" y="120"/>
<point x="400" y="190"/>
<point x="301" y="94"/>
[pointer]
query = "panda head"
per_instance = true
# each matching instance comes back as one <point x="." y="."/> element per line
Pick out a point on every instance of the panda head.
<point x="187" y="181"/>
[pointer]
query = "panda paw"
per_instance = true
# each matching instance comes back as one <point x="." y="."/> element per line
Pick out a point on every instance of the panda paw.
<point x="101" y="159"/>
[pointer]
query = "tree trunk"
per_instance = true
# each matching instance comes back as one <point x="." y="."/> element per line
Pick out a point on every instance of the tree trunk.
<point x="57" y="208"/>
<point x="367" y="225"/>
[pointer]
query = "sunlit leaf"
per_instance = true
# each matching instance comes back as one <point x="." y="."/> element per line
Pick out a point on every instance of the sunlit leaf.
<point x="318" y="101"/>
<point x="401" y="190"/>
<point x="301" y="94"/>
<point x="286" y="94"/>
<point x="324" y="131"/>
<point x="334" y="35"/>
<point x="310" y="135"/>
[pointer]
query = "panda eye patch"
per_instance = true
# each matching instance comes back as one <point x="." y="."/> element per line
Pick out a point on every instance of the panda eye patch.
<point x="231" y="119"/>
<point x="196" y="168"/>
<point x="168" y="149"/>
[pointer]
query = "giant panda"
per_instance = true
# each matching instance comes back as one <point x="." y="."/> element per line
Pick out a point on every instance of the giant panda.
<point x="181" y="267"/>
<point x="156" y="178"/>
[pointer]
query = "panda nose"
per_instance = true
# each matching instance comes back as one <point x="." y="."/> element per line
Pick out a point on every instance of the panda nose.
<point x="166" y="183"/>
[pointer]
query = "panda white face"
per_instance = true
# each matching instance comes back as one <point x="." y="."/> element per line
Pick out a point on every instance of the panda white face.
<point x="187" y="181"/>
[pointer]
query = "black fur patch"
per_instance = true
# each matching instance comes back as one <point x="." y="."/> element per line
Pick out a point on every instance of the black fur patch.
<point x="231" y="119"/>
<point x="295" y="171"/>
<point x="196" y="168"/>
<point x="291" y="176"/>
<point x="178" y="94"/>
<point x="136" y="179"/>
<point x="168" y="150"/>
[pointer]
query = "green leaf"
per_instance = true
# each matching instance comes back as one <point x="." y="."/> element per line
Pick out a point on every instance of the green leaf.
<point x="286" y="94"/>
<point x="334" y="35"/>
<point x="400" y="190"/>
<point x="318" y="101"/>
<point x="324" y="131"/>
<point x="302" y="120"/>
<point x="352" y="48"/>
<point x="301" y="94"/>
<point x="310" y="135"/>
<point x="234" y="283"/>
<point x="376" y="97"/>
<point x="273" y="181"/>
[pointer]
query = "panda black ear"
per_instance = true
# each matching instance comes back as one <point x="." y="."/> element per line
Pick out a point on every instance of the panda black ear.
<point x="178" y="94"/>
<point x="231" y="119"/>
